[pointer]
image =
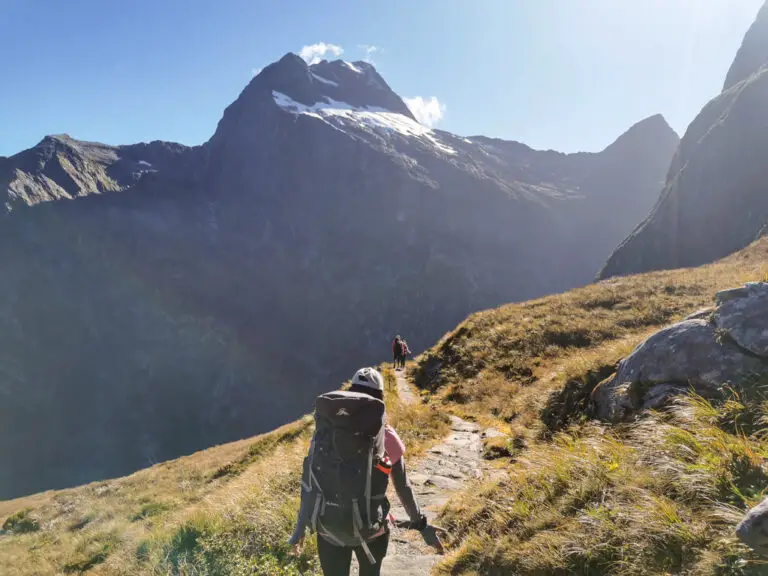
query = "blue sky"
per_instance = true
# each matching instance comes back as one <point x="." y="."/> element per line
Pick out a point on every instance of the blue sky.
<point x="564" y="74"/>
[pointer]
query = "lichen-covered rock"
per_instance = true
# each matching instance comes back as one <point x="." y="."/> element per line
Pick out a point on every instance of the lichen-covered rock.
<point x="745" y="318"/>
<point x="659" y="394"/>
<point x="703" y="314"/>
<point x="731" y="294"/>
<point x="687" y="353"/>
<point x="695" y="354"/>
<point x="753" y="529"/>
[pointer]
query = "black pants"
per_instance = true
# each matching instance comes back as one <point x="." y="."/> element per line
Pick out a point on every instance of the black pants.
<point x="337" y="560"/>
<point x="399" y="360"/>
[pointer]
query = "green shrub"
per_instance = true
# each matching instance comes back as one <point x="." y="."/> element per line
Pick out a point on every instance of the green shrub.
<point x="150" y="509"/>
<point x="21" y="523"/>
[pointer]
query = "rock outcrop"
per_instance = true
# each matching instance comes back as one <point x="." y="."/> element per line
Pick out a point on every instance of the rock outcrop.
<point x="714" y="201"/>
<point x="158" y="299"/>
<point x="753" y="529"/>
<point x="725" y="346"/>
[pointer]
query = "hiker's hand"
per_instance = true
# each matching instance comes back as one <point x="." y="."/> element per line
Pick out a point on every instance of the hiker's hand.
<point x="419" y="524"/>
<point x="296" y="548"/>
<point x="429" y="533"/>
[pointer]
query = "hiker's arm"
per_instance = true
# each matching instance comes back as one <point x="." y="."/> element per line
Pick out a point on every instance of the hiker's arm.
<point x="304" y="507"/>
<point x="405" y="492"/>
<point x="303" y="519"/>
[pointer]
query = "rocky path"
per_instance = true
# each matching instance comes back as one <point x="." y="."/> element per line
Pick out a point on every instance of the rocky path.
<point x="435" y="477"/>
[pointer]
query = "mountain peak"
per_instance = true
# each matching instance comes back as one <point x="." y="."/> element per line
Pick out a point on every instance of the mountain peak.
<point x="55" y="141"/>
<point x="655" y="124"/>
<point x="753" y="53"/>
<point x="652" y="129"/>
<point x="58" y="137"/>
<point x="291" y="58"/>
<point x="653" y="120"/>
<point x="357" y="84"/>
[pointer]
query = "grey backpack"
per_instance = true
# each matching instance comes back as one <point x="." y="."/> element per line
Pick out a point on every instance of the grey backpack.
<point x="346" y="475"/>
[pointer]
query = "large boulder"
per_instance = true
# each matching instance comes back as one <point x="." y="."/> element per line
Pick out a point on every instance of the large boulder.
<point x="703" y="353"/>
<point x="753" y="529"/>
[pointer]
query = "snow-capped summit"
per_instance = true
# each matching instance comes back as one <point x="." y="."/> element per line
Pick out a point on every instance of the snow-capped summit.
<point x="355" y="83"/>
<point x="349" y="97"/>
<point x="359" y="84"/>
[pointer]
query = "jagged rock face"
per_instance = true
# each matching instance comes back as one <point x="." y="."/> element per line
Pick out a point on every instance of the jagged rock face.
<point x="753" y="53"/>
<point x="725" y="346"/>
<point x="61" y="167"/>
<point x="714" y="202"/>
<point x="191" y="296"/>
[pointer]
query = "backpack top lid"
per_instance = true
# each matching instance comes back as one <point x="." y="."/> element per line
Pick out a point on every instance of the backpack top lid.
<point x="350" y="410"/>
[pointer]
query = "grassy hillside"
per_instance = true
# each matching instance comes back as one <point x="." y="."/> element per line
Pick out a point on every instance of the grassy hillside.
<point x="660" y="496"/>
<point x="226" y="510"/>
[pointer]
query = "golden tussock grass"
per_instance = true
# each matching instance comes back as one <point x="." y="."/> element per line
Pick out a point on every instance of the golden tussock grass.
<point x="101" y="527"/>
<point x="225" y="510"/>
<point x="661" y="496"/>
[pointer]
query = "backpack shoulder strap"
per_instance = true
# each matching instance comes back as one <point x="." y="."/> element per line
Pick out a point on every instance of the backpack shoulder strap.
<point x="306" y="473"/>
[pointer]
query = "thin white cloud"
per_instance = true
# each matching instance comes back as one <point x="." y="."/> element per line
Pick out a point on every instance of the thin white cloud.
<point x="316" y="52"/>
<point x="428" y="111"/>
<point x="369" y="52"/>
<point x="256" y="71"/>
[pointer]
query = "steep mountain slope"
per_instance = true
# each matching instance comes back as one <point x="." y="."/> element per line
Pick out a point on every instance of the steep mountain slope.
<point x="714" y="201"/>
<point x="659" y="496"/>
<point x="159" y="299"/>
<point x="753" y="52"/>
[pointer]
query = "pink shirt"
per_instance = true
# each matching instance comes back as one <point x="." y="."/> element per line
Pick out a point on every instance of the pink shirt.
<point x="393" y="445"/>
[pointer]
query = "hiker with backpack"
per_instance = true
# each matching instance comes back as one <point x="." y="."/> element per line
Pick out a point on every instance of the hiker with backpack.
<point x="397" y="351"/>
<point x="404" y="352"/>
<point x="352" y="456"/>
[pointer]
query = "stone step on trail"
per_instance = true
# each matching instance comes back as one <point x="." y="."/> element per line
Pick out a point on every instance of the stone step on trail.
<point x="443" y="471"/>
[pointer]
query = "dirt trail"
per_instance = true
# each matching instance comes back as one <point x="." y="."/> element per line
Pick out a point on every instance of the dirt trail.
<point x="443" y="471"/>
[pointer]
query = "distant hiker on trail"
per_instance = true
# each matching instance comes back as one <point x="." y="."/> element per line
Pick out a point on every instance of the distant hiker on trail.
<point x="400" y="352"/>
<point x="351" y="458"/>
<point x="397" y="351"/>
<point x="404" y="352"/>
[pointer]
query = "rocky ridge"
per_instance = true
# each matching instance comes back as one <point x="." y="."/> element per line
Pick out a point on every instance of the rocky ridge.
<point x="713" y="203"/>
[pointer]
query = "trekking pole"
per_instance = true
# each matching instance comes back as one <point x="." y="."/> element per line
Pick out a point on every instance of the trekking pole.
<point x="430" y="534"/>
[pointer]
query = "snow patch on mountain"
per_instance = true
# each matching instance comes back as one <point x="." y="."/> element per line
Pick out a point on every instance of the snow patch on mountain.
<point x="324" y="80"/>
<point x="352" y="67"/>
<point x="370" y="118"/>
